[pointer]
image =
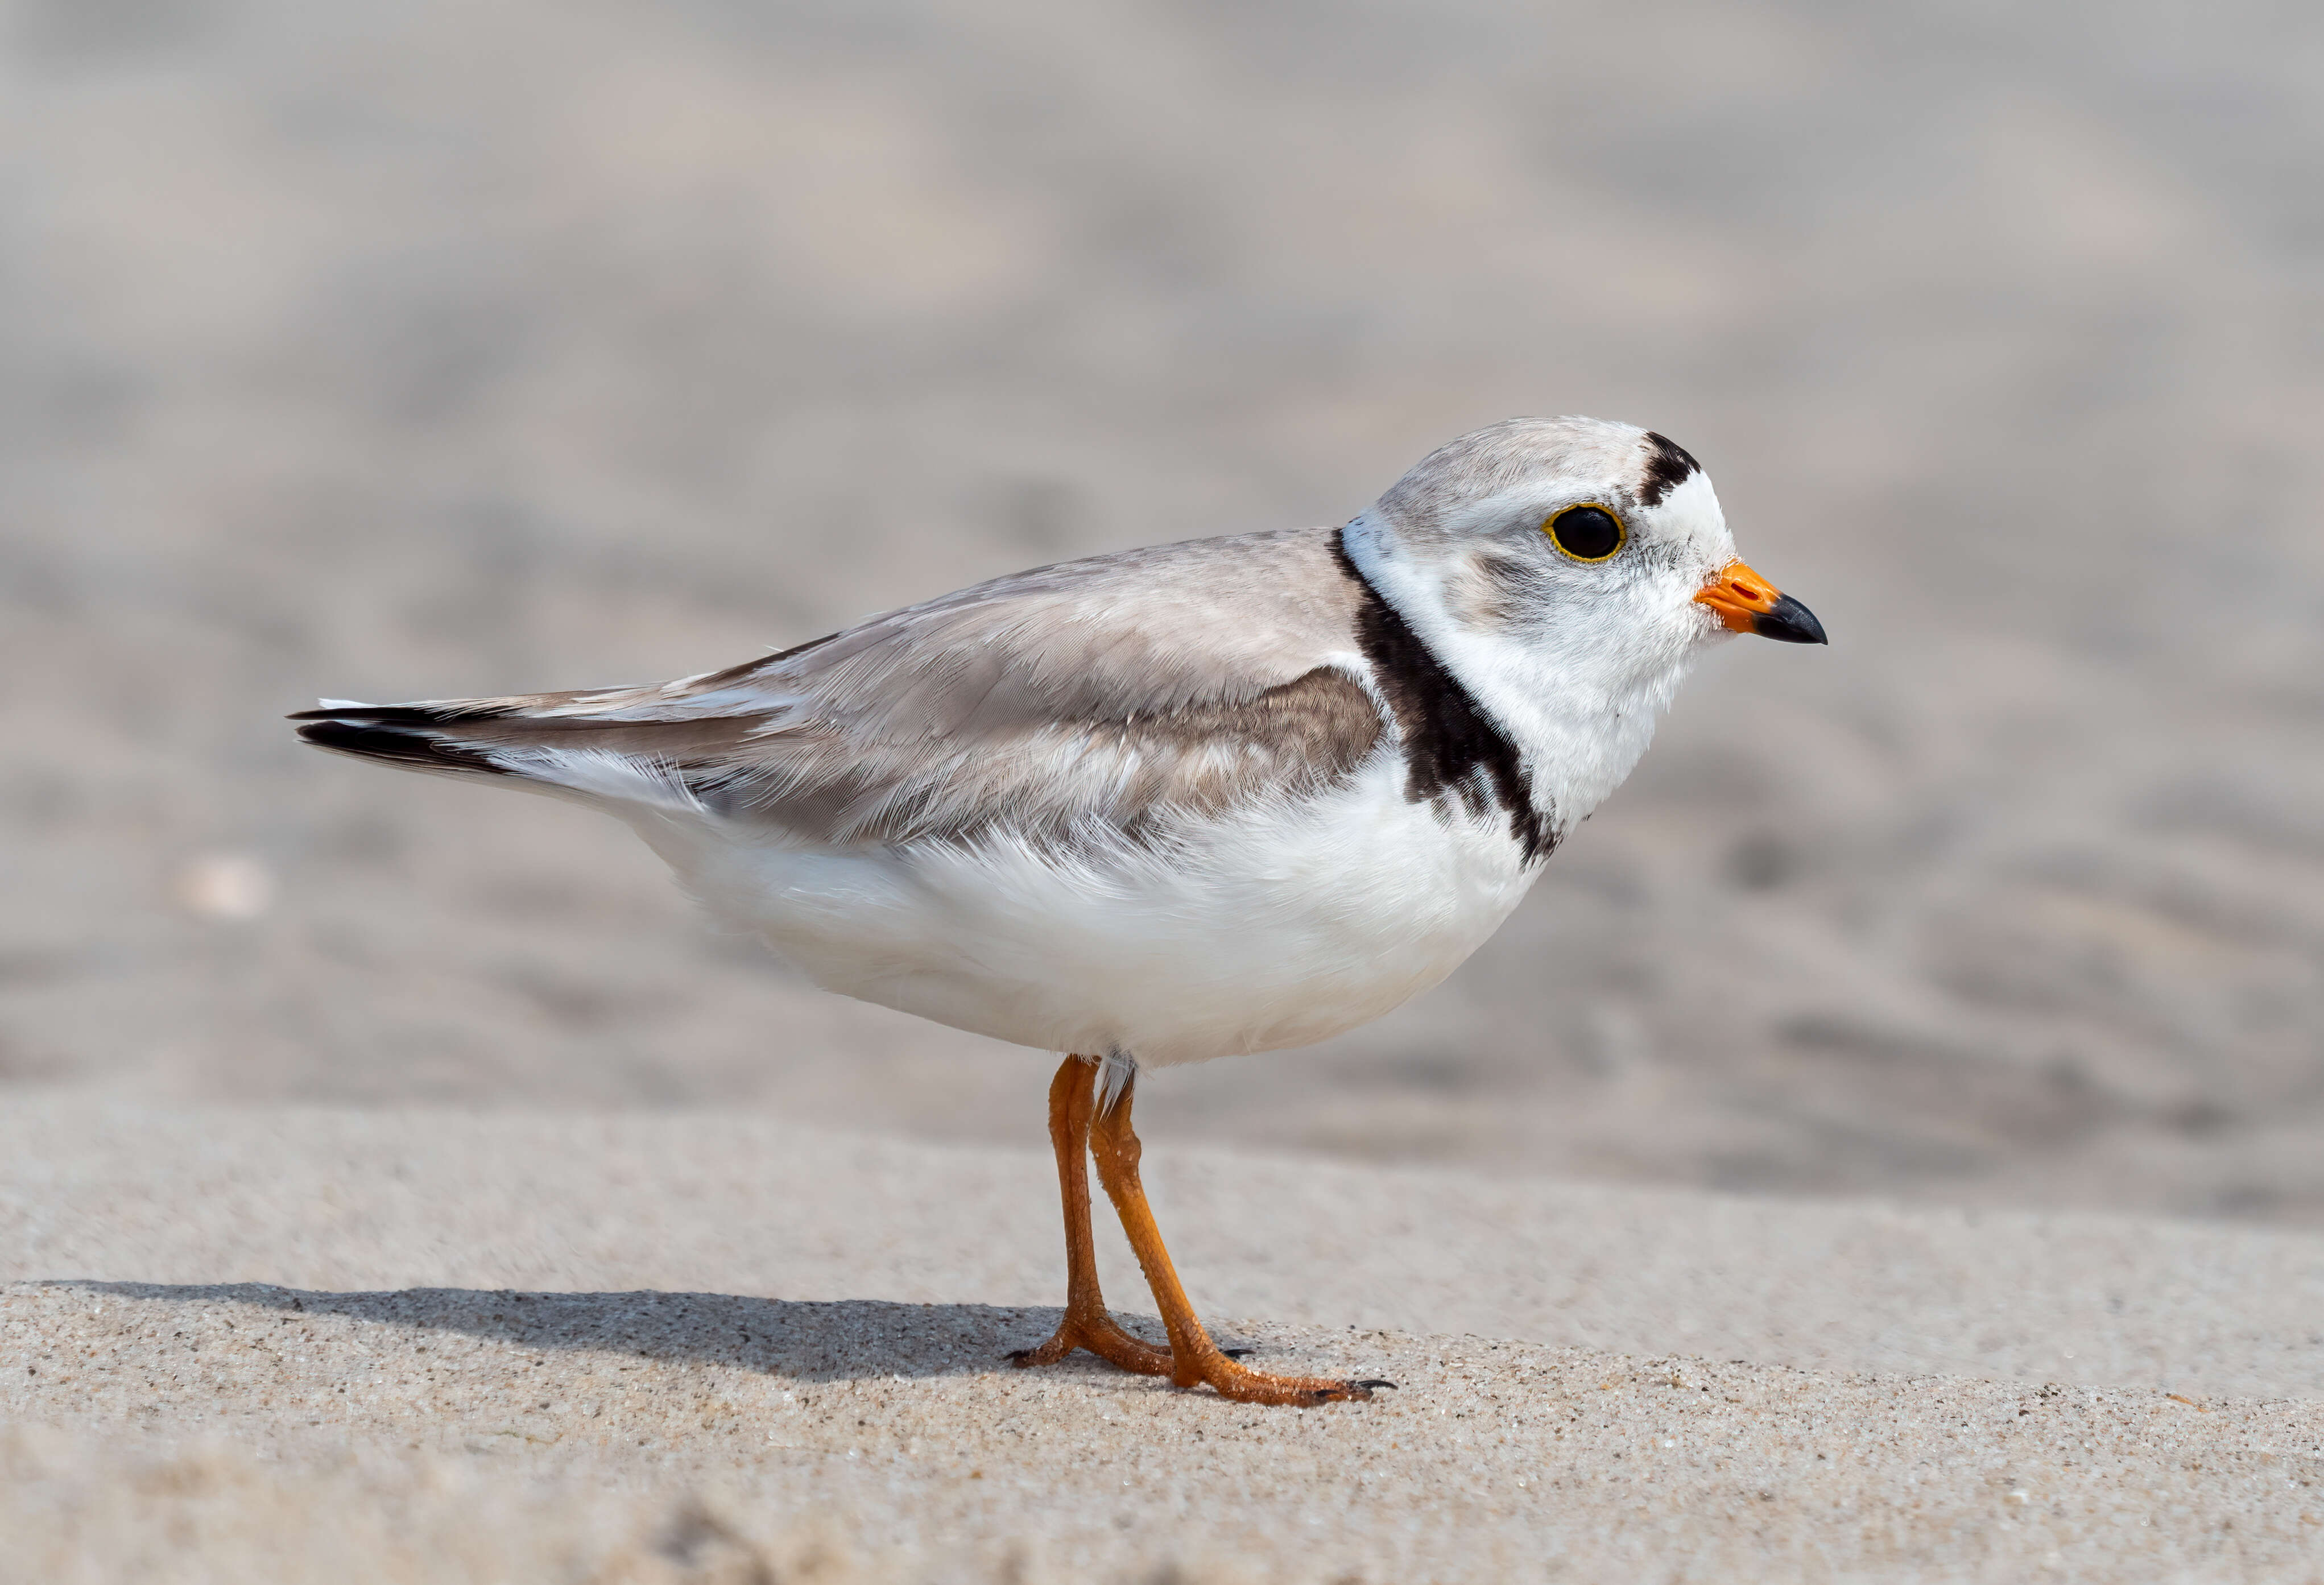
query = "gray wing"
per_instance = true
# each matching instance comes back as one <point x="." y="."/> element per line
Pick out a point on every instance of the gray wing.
<point x="1193" y="678"/>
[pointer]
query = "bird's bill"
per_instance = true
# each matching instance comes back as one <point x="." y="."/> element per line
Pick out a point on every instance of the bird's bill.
<point x="1749" y="604"/>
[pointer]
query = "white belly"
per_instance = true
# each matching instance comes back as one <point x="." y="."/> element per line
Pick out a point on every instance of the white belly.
<point x="1272" y="928"/>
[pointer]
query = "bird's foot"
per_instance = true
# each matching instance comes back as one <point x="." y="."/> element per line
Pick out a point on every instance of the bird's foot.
<point x="1101" y="1335"/>
<point x="1104" y="1336"/>
<point x="1243" y="1385"/>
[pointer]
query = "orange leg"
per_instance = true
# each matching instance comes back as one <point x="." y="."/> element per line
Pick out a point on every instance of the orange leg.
<point x="1193" y="1357"/>
<point x="1085" y="1324"/>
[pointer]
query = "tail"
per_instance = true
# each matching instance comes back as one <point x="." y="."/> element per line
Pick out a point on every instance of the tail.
<point x="599" y="746"/>
<point x="416" y="737"/>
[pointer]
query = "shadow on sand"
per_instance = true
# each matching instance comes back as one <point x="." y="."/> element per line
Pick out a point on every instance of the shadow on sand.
<point x="833" y="1340"/>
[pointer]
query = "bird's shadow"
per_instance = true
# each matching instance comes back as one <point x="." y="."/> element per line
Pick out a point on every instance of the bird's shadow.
<point x="803" y="1339"/>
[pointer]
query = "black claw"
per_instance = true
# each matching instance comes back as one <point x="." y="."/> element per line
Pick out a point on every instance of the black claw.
<point x="1238" y="1353"/>
<point x="1349" y="1389"/>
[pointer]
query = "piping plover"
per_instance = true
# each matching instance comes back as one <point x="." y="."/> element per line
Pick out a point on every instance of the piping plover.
<point x="1219" y="796"/>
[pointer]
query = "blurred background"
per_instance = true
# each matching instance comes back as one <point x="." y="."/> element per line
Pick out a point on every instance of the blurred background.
<point x="387" y="351"/>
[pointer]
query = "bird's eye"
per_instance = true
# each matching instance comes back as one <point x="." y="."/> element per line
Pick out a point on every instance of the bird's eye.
<point x="1586" y="533"/>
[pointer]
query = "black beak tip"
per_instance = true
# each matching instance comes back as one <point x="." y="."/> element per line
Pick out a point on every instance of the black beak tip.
<point x="1789" y="621"/>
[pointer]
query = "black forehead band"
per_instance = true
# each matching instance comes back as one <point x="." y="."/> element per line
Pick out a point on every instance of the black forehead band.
<point x="1668" y="467"/>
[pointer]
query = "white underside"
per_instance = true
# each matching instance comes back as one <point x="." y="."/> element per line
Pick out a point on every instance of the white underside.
<point x="1270" y="928"/>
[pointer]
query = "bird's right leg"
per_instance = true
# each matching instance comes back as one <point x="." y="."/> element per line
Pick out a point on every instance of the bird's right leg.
<point x="1086" y="1324"/>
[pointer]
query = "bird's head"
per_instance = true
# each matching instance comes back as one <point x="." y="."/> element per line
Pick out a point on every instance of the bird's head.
<point x="1579" y="536"/>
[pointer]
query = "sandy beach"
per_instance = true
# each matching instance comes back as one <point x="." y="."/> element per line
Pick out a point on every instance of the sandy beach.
<point x="406" y="1345"/>
<point x="1887" y="1145"/>
<point x="419" y="350"/>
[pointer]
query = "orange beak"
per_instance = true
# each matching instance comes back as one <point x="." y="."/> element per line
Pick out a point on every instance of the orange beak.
<point x="1749" y="604"/>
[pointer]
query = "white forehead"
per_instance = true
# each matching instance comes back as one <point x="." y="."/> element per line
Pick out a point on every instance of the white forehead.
<point x="1689" y="518"/>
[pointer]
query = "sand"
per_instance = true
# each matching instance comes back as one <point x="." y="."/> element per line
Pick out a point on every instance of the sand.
<point x="429" y="348"/>
<point x="409" y="1345"/>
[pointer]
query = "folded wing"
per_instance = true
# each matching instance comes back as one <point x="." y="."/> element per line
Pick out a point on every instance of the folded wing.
<point x="1115" y="692"/>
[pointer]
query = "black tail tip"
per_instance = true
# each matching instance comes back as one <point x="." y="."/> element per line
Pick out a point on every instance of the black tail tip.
<point x="392" y="745"/>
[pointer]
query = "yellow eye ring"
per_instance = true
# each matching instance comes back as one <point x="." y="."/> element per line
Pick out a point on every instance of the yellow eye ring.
<point x="1588" y="531"/>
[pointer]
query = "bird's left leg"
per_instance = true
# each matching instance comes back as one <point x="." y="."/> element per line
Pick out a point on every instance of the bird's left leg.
<point x="1193" y="1357"/>
<point x="1086" y="1324"/>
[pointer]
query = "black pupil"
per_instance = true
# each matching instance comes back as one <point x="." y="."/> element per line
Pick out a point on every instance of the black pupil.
<point x="1588" y="532"/>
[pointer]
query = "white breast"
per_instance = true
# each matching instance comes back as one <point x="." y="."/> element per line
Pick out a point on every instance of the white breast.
<point x="1271" y="928"/>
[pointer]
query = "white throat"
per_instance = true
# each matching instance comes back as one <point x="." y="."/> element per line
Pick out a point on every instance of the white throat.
<point x="1580" y="711"/>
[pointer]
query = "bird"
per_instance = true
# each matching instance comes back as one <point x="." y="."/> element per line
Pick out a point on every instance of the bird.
<point x="1192" y="800"/>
